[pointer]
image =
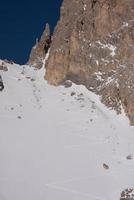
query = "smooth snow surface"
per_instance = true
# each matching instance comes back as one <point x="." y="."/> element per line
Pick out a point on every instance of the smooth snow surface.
<point x="53" y="145"/>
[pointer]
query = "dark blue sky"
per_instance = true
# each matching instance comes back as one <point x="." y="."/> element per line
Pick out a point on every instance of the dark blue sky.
<point x="21" y="22"/>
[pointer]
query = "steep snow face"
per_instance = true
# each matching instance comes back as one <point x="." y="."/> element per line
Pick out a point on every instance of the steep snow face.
<point x="60" y="143"/>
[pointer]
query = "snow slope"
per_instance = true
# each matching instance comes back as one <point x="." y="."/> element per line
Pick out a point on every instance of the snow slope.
<point x="53" y="145"/>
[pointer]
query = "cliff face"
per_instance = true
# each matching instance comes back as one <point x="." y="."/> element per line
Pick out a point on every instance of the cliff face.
<point x="40" y="49"/>
<point x="93" y="44"/>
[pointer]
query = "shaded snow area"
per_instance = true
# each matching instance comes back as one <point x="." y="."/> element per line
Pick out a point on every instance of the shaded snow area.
<point x="60" y="143"/>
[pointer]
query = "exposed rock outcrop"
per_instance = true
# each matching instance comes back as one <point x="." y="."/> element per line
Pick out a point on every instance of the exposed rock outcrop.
<point x="93" y="44"/>
<point x="40" y="49"/>
<point x="3" y="66"/>
<point x="1" y="83"/>
<point x="127" y="194"/>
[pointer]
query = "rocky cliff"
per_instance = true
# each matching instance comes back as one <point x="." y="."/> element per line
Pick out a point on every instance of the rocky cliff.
<point x="93" y="44"/>
<point x="40" y="49"/>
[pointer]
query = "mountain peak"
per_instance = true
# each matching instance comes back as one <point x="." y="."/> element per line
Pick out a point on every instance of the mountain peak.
<point x="40" y="49"/>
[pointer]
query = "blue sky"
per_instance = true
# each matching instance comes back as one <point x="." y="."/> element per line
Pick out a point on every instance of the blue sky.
<point x="21" y="22"/>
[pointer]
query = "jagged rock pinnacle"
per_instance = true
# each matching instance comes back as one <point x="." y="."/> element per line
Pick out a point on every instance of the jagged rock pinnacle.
<point x="40" y="49"/>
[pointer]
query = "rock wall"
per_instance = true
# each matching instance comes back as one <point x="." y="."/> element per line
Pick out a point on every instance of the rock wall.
<point x="93" y="44"/>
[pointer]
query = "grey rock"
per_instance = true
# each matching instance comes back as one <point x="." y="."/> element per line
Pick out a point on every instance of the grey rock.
<point x="127" y="194"/>
<point x="1" y="83"/>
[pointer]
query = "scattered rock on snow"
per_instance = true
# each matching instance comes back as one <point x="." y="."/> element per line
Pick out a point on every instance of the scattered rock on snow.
<point x="127" y="194"/>
<point x="73" y="93"/>
<point x="32" y="79"/>
<point x="19" y="117"/>
<point x="105" y="166"/>
<point x="67" y="84"/>
<point x="1" y="83"/>
<point x="129" y="157"/>
<point x="80" y="95"/>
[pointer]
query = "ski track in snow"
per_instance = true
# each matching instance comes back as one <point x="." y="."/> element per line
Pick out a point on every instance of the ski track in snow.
<point x="36" y="94"/>
<point x="53" y="145"/>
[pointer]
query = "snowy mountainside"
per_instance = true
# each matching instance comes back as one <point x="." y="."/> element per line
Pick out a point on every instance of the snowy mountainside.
<point x="60" y="143"/>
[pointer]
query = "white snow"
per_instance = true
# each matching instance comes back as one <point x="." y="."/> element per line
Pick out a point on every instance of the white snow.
<point x="53" y="145"/>
<point x="125" y="24"/>
<point x="84" y="7"/>
<point x="109" y="80"/>
<point x="97" y="62"/>
<point x="112" y="49"/>
<point x="98" y="76"/>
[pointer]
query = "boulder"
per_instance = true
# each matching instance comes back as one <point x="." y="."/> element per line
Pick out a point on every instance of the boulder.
<point x="1" y="84"/>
